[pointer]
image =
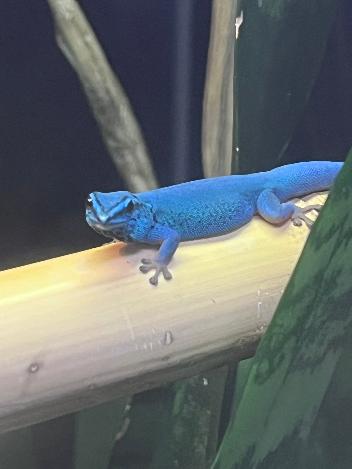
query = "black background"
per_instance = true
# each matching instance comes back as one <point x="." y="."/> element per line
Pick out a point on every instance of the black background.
<point x="52" y="154"/>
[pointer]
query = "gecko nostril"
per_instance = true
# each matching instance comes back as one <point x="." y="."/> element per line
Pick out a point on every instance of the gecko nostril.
<point x="103" y="217"/>
<point x="89" y="202"/>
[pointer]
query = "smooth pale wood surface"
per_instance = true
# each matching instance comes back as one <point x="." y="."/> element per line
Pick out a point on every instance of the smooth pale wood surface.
<point x="85" y="328"/>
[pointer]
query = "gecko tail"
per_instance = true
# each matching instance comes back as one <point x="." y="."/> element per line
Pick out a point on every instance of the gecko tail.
<point x="299" y="179"/>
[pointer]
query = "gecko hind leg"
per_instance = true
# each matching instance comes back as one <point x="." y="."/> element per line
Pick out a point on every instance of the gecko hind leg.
<point x="276" y="212"/>
<point x="149" y="264"/>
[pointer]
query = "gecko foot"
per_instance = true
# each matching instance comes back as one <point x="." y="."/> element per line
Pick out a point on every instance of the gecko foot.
<point x="299" y="215"/>
<point x="149" y="264"/>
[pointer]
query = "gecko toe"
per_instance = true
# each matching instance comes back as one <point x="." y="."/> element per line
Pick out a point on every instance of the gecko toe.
<point x="316" y="207"/>
<point x="145" y="268"/>
<point x="148" y="264"/>
<point x="307" y="221"/>
<point x="154" y="279"/>
<point x="299" y="216"/>
<point x="146" y="261"/>
<point x="167" y="274"/>
<point x="297" y="222"/>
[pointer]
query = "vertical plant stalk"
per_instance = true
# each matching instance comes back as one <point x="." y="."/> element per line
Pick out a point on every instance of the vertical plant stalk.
<point x="217" y="135"/>
<point x="111" y="107"/>
<point x="189" y="437"/>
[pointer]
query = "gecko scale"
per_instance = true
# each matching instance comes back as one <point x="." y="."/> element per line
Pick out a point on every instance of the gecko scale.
<point x="205" y="208"/>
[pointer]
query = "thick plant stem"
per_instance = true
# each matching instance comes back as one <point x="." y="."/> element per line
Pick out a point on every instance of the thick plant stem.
<point x="217" y="123"/>
<point x="111" y="107"/>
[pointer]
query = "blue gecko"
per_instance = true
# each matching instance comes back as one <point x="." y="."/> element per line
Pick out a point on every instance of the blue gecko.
<point x="205" y="208"/>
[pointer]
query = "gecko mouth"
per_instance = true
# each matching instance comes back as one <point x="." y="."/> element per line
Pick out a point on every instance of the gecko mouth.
<point x="96" y="224"/>
<point x="107" y="229"/>
<point x="100" y="229"/>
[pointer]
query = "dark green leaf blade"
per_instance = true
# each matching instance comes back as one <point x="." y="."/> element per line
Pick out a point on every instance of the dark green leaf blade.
<point x="96" y="433"/>
<point x="191" y="426"/>
<point x="296" y="361"/>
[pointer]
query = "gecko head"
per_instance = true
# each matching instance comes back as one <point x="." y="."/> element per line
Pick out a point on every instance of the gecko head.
<point x="112" y="214"/>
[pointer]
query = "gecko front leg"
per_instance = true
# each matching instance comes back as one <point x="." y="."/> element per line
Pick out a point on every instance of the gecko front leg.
<point x="169" y="240"/>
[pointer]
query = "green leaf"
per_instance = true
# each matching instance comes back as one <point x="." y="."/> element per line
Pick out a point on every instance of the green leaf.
<point x="298" y="364"/>
<point x="96" y="433"/>
<point x="17" y="450"/>
<point x="190" y="436"/>
<point x="278" y="56"/>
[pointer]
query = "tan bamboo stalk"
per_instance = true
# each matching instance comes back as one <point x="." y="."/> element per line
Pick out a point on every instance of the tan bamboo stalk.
<point x="217" y="125"/>
<point x="85" y="328"/>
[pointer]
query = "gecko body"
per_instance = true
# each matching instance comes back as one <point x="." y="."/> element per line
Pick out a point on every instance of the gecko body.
<point x="206" y="207"/>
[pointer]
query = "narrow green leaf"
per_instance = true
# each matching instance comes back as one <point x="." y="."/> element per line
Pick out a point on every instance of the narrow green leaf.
<point x="243" y="370"/>
<point x="279" y="52"/>
<point x="278" y="423"/>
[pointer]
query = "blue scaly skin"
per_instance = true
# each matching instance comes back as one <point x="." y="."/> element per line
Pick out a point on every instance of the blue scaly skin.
<point x="205" y="208"/>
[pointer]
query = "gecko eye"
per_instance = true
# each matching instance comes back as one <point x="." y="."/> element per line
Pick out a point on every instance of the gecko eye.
<point x="129" y="206"/>
<point x="89" y="202"/>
